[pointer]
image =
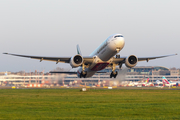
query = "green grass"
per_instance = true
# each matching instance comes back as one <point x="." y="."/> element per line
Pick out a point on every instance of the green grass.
<point x="93" y="104"/>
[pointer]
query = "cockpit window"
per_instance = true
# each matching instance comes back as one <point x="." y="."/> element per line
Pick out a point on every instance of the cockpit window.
<point x="118" y="36"/>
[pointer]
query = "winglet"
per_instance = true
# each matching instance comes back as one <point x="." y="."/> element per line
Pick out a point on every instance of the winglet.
<point x="78" y="50"/>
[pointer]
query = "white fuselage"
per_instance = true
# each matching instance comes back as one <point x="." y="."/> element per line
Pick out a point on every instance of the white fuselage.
<point x="104" y="54"/>
<point x="170" y="84"/>
<point x="167" y="83"/>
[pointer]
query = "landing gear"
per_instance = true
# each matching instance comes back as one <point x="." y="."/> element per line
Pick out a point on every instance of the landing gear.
<point x="83" y="73"/>
<point x="113" y="74"/>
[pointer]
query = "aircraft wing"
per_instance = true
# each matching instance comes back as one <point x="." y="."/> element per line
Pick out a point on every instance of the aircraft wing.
<point x="122" y="59"/>
<point x="54" y="59"/>
<point x="155" y="57"/>
<point x="87" y="59"/>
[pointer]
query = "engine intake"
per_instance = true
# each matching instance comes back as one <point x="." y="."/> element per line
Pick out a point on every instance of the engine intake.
<point x="131" y="61"/>
<point x="76" y="61"/>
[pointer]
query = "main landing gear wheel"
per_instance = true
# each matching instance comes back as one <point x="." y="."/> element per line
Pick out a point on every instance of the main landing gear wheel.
<point x="82" y="75"/>
<point x="113" y="74"/>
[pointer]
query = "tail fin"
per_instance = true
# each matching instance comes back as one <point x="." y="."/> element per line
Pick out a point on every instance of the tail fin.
<point x="5" y="73"/>
<point x="78" y="50"/>
<point x="147" y="80"/>
<point x="165" y="80"/>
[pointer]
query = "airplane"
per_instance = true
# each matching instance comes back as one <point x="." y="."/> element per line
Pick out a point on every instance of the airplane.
<point x="6" y="73"/>
<point x="158" y="82"/>
<point x="168" y="83"/>
<point x="106" y="55"/>
<point x="147" y="80"/>
<point x="146" y="83"/>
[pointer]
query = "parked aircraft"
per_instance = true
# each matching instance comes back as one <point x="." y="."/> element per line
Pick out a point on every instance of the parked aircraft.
<point x="168" y="83"/>
<point x="146" y="83"/>
<point x="5" y="73"/>
<point x="104" y="56"/>
<point x="159" y="82"/>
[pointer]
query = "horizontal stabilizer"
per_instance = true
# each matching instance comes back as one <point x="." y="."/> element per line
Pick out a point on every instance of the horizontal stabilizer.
<point x="63" y="72"/>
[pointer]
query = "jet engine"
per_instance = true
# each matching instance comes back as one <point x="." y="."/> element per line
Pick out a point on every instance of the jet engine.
<point x="76" y="61"/>
<point x="131" y="61"/>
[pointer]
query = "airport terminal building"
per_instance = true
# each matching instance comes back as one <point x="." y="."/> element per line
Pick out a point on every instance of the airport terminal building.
<point x="139" y="73"/>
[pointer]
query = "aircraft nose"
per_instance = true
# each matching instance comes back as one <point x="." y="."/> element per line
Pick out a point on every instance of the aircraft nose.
<point x="120" y="42"/>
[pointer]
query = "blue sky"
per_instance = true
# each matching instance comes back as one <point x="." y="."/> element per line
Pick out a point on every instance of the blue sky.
<point x="55" y="27"/>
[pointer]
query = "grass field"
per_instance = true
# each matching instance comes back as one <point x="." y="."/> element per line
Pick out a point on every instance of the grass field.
<point x="93" y="104"/>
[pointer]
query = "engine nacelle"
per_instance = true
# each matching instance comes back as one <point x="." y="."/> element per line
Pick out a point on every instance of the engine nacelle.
<point x="76" y="61"/>
<point x="131" y="61"/>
